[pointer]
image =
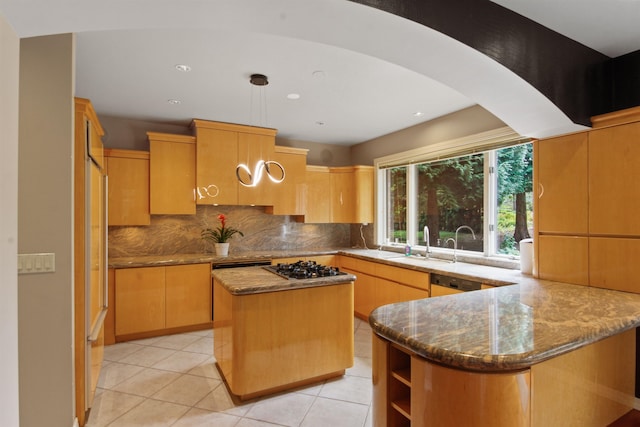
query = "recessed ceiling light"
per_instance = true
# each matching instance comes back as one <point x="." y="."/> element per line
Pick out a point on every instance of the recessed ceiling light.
<point x="293" y="96"/>
<point x="174" y="101"/>
<point x="418" y="114"/>
<point x="318" y="75"/>
<point x="183" y="67"/>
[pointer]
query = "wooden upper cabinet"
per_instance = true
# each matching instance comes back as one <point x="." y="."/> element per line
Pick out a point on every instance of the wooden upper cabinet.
<point x="562" y="190"/>
<point x="128" y="173"/>
<point x="221" y="147"/>
<point x="216" y="161"/>
<point x="252" y="148"/>
<point x="614" y="177"/>
<point x="352" y="194"/>
<point x="172" y="160"/>
<point x="288" y="196"/>
<point x="363" y="181"/>
<point x="343" y="195"/>
<point x="317" y="195"/>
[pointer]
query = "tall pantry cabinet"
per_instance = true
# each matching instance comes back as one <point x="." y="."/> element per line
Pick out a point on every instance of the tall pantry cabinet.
<point x="587" y="202"/>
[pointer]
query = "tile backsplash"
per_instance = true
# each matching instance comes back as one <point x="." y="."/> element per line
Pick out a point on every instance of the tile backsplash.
<point x="180" y="234"/>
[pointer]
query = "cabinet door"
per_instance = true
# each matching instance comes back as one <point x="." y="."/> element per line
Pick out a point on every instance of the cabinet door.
<point x="364" y="294"/>
<point x="614" y="193"/>
<point x="390" y="292"/>
<point x="216" y="161"/>
<point x="140" y="300"/>
<point x="251" y="149"/>
<point x="363" y="181"/>
<point x="172" y="174"/>
<point x="128" y="173"/>
<point x="288" y="195"/>
<point x="317" y="195"/>
<point x="612" y="263"/>
<point x="342" y="196"/>
<point x="561" y="165"/>
<point x="188" y="295"/>
<point x="564" y="259"/>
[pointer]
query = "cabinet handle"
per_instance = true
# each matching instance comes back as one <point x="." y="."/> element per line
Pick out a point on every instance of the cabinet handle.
<point x="341" y="203"/>
<point x="541" y="190"/>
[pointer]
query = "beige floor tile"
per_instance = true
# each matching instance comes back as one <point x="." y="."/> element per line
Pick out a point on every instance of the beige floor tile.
<point x="203" y="345"/>
<point x="208" y="333"/>
<point x="109" y="405"/>
<point x="206" y="369"/>
<point x="201" y="418"/>
<point x="335" y="413"/>
<point x="349" y="389"/>
<point x="181" y="361"/>
<point x="121" y="350"/>
<point x="247" y="422"/>
<point x="219" y="400"/>
<point x="287" y="409"/>
<point x="147" y="382"/>
<point x="362" y="349"/>
<point x="361" y="367"/>
<point x="177" y="341"/>
<point x="151" y="413"/>
<point x="148" y="356"/>
<point x="187" y="390"/>
<point x="115" y="373"/>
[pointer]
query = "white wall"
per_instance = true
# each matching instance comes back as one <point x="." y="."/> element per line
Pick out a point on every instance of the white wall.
<point x="469" y="121"/>
<point x="45" y="224"/>
<point x="10" y="59"/>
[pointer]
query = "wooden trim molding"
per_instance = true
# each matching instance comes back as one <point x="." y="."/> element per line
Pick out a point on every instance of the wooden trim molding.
<point x="169" y="137"/>
<point x="628" y="115"/>
<point x="126" y="154"/>
<point x="198" y="123"/>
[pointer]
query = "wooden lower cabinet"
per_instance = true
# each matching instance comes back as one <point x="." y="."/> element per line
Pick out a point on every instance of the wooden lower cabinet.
<point x="563" y="259"/>
<point x="272" y="341"/>
<point x="588" y="387"/>
<point x="156" y="300"/>
<point x="188" y="295"/>
<point x="380" y="284"/>
<point x="612" y="262"/>
<point x="140" y="300"/>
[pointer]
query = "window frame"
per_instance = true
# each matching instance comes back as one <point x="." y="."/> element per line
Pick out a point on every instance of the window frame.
<point x="486" y="143"/>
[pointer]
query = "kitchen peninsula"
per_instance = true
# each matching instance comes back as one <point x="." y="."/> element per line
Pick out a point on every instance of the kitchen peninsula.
<point x="534" y="354"/>
<point x="273" y="333"/>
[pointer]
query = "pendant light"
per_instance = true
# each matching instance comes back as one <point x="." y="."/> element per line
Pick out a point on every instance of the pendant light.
<point x="243" y="173"/>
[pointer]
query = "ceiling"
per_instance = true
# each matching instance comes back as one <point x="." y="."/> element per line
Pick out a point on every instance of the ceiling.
<point x="356" y="76"/>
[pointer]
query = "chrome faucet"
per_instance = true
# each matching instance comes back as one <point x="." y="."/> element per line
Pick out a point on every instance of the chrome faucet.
<point x="455" y="241"/>
<point x="426" y="241"/>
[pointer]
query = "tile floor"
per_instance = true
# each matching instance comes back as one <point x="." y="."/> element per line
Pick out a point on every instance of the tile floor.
<point x="172" y="381"/>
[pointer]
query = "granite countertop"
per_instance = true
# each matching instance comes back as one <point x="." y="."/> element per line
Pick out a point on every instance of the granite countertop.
<point x="507" y="328"/>
<point x="255" y="280"/>
<point x="177" y="259"/>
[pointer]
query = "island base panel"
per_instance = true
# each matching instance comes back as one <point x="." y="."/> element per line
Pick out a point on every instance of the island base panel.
<point x="277" y="340"/>
<point x="588" y="387"/>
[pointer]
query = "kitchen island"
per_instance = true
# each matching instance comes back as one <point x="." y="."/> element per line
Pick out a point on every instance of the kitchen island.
<point x="538" y="354"/>
<point x="273" y="333"/>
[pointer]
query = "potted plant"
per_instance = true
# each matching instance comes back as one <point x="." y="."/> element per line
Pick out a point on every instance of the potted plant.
<point x="220" y="236"/>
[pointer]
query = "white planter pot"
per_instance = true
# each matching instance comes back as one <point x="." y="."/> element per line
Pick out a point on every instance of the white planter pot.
<point x="222" y="249"/>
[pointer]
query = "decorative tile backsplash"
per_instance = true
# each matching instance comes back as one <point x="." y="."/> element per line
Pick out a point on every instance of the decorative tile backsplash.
<point x="180" y="234"/>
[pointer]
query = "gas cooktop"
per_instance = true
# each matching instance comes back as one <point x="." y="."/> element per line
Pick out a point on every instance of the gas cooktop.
<point x="303" y="270"/>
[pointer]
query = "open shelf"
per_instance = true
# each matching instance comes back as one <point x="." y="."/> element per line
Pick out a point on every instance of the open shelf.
<point x="399" y="387"/>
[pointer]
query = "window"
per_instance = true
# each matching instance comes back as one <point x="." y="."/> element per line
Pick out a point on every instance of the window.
<point x="485" y="197"/>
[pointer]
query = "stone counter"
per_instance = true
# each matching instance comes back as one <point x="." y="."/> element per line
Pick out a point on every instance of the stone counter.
<point x="507" y="328"/>
<point x="254" y="280"/>
<point x="178" y="259"/>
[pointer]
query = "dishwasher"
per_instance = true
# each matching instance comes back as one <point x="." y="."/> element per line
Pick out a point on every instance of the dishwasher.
<point x="447" y="285"/>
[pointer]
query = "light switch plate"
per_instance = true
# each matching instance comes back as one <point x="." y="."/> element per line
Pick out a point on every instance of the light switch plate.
<point x="36" y="263"/>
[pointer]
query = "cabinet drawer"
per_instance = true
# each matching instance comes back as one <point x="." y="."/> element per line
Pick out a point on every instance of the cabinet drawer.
<point x="416" y="279"/>
<point x="356" y="264"/>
